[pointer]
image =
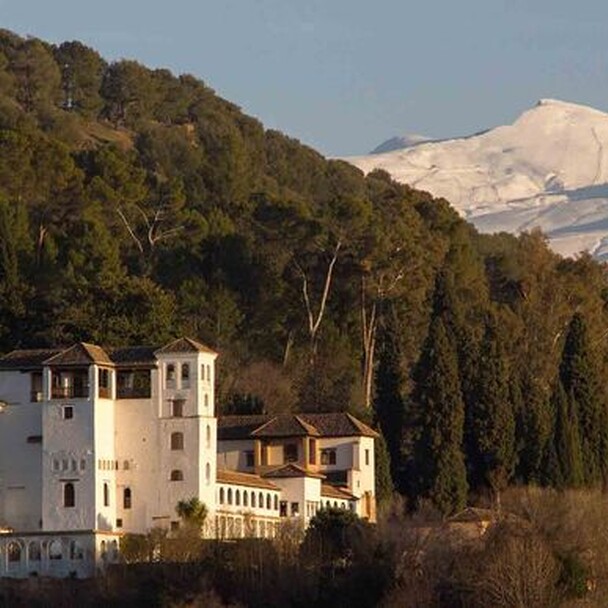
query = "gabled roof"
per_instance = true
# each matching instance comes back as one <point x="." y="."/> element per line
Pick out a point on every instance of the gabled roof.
<point x="80" y="354"/>
<point x="185" y="345"/>
<point x="287" y="425"/>
<point x="290" y="470"/>
<point x="237" y="478"/>
<point x="329" y="491"/>
<point x="133" y="355"/>
<point x="239" y="427"/>
<point x="26" y="359"/>
<point x="337" y="424"/>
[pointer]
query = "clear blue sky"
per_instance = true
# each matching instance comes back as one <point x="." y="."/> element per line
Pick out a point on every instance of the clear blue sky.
<point x="343" y="75"/>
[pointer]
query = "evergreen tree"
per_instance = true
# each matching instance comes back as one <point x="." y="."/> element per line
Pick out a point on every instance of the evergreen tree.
<point x="388" y="402"/>
<point x="566" y="441"/>
<point x="579" y="377"/>
<point x="491" y="419"/>
<point x="440" y="469"/>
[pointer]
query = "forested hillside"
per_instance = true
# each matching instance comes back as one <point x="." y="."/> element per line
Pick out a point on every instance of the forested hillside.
<point x="136" y="205"/>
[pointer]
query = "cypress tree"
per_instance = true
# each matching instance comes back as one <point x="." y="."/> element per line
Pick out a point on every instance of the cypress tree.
<point x="491" y="418"/>
<point x="440" y="469"/>
<point x="566" y="441"/>
<point x="388" y="402"/>
<point x="579" y="376"/>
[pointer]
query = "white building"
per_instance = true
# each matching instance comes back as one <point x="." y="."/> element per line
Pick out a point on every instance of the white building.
<point x="96" y="443"/>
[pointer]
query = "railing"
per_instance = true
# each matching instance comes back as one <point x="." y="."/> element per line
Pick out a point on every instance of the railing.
<point x="133" y="392"/>
<point x="70" y="392"/>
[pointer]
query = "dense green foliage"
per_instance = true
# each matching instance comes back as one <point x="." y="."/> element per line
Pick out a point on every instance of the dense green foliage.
<point x="136" y="206"/>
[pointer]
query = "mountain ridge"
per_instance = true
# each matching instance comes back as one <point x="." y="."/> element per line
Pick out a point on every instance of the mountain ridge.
<point x="544" y="170"/>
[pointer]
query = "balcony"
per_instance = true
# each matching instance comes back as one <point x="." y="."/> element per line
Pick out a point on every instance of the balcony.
<point x="70" y="392"/>
<point x="133" y="392"/>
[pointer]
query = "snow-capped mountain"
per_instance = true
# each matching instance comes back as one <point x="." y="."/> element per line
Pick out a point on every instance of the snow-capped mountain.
<point x="549" y="169"/>
<point x="400" y="142"/>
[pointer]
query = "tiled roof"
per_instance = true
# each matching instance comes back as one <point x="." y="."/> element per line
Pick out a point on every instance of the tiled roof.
<point x="286" y="425"/>
<point x="329" y="491"/>
<point x="338" y="424"/>
<point x="290" y="470"/>
<point x="26" y="359"/>
<point x="80" y="354"/>
<point x="238" y="427"/>
<point x="237" y="478"/>
<point x="185" y="345"/>
<point x="132" y="355"/>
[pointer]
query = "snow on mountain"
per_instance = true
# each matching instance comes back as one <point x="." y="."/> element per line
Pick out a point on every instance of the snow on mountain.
<point x="549" y="169"/>
<point x="400" y="142"/>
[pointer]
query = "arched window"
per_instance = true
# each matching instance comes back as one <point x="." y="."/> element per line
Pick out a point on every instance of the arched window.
<point x="126" y="498"/>
<point x="177" y="441"/>
<point x="245" y="499"/>
<point x="55" y="550"/>
<point x="237" y="498"/>
<point x="268" y="503"/>
<point x="170" y="375"/>
<point x="206" y="400"/>
<point x="102" y="549"/>
<point x="209" y="373"/>
<point x="69" y="495"/>
<point x="76" y="550"/>
<point x="208" y="436"/>
<point x="34" y="553"/>
<point x="229" y="496"/>
<point x="14" y="552"/>
<point x="221" y="496"/>
<point x="261" y="500"/>
<point x="177" y="475"/>
<point x="276" y="502"/>
<point x="185" y="375"/>
<point x="253" y="499"/>
<point x="106" y="495"/>
<point x="208" y="473"/>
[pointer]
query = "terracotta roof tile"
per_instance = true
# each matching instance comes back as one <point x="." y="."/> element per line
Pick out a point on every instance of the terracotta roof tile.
<point x="237" y="478"/>
<point x="286" y="425"/>
<point x="80" y="354"/>
<point x="239" y="427"/>
<point x="133" y="355"/>
<point x="329" y="491"/>
<point x="26" y="359"/>
<point x="290" y="470"/>
<point x="338" y="424"/>
<point x="185" y="345"/>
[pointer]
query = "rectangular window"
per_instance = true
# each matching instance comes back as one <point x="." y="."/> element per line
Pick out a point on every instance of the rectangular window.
<point x="328" y="456"/>
<point x="366" y="457"/>
<point x="104" y="383"/>
<point x="119" y="523"/>
<point x="249" y="459"/>
<point x="36" y="387"/>
<point x="177" y="408"/>
<point x="67" y="412"/>
<point x="295" y="509"/>
<point x="290" y="452"/>
<point x="133" y="384"/>
<point x="312" y="451"/>
<point x="283" y="508"/>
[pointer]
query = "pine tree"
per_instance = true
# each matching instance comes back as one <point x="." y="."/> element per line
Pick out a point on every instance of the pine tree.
<point x="491" y="419"/>
<point x="440" y="469"/>
<point x="580" y="379"/>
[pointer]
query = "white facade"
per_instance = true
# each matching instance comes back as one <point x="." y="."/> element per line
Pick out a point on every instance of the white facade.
<point x="98" y="443"/>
